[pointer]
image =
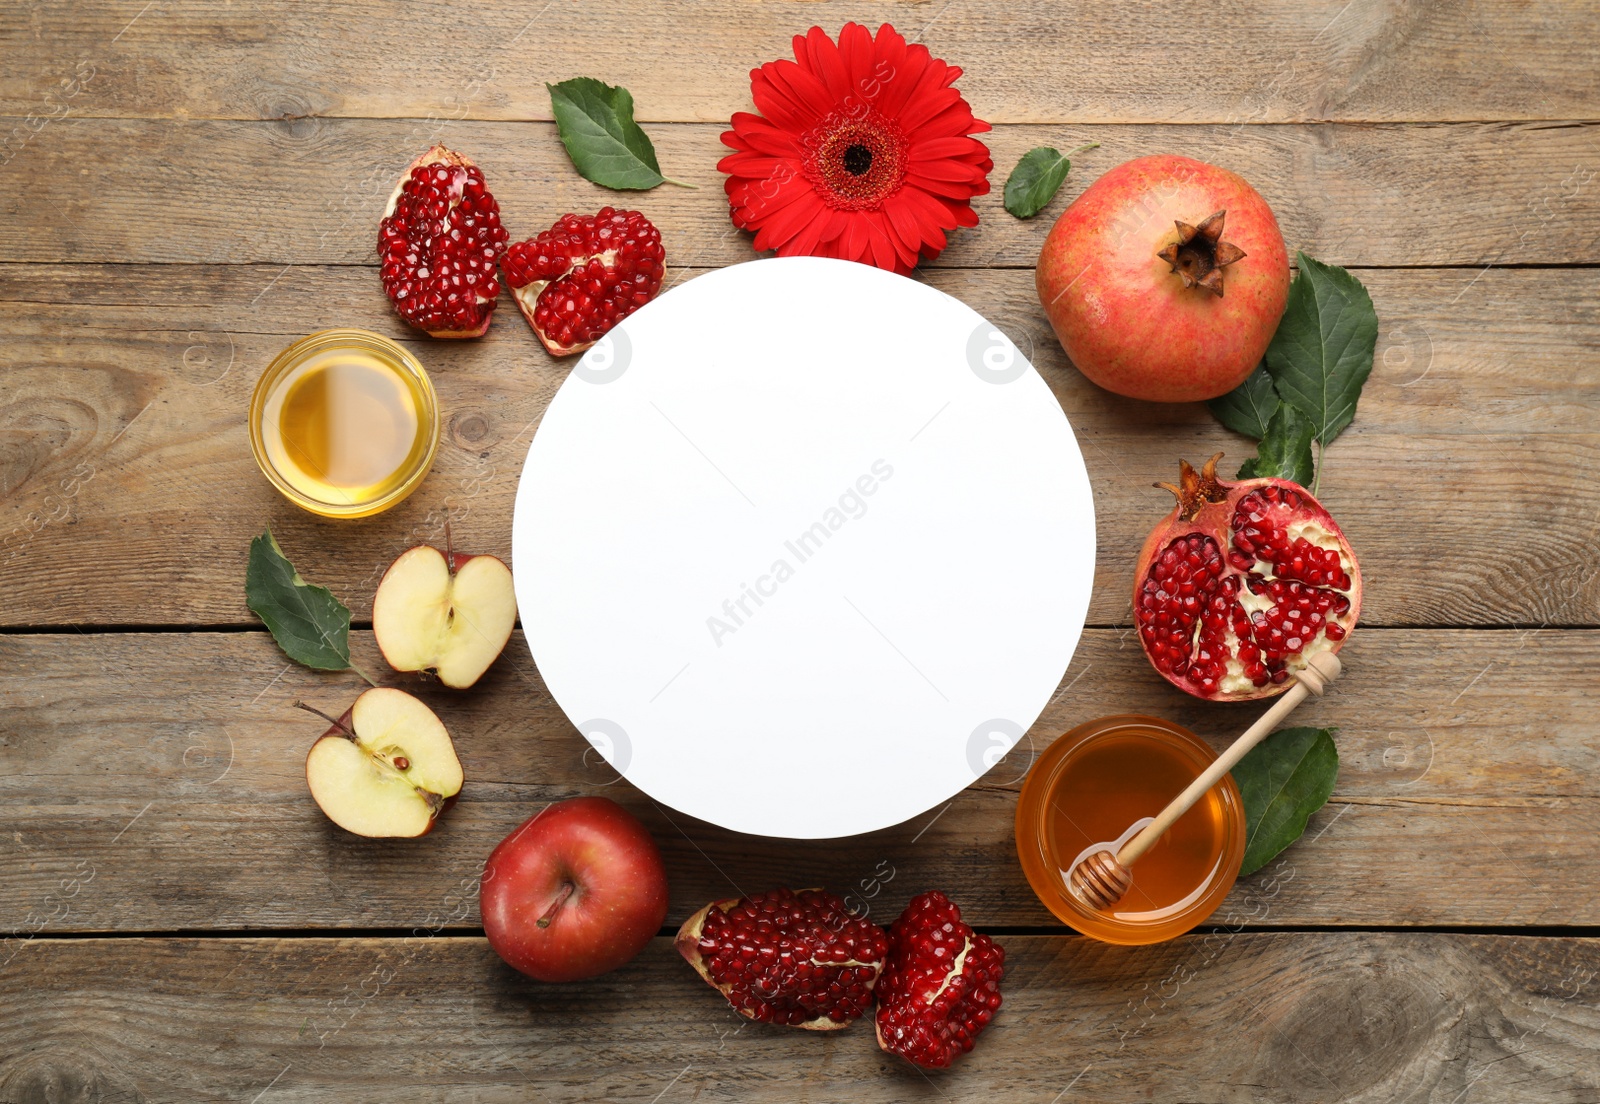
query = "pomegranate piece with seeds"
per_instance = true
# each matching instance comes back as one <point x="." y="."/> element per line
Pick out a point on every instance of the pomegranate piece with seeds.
<point x="941" y="985"/>
<point x="439" y="245"/>
<point x="584" y="275"/>
<point x="1242" y="584"/>
<point x="786" y="957"/>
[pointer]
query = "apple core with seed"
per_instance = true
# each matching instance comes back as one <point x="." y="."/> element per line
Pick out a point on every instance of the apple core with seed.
<point x="387" y="767"/>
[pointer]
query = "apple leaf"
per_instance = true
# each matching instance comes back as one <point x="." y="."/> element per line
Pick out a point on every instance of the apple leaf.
<point x="1283" y="780"/>
<point x="308" y="622"/>
<point x="1249" y="407"/>
<point x="1322" y="351"/>
<point x="1285" y="449"/>
<point x="595" y="121"/>
<point x="1036" y="179"/>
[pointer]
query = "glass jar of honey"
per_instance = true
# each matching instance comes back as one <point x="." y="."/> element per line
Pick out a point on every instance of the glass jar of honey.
<point x="344" y="423"/>
<point x="1101" y="783"/>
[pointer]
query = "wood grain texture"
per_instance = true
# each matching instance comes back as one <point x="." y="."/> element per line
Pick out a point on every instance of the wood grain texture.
<point x="156" y="783"/>
<point x="1030" y="61"/>
<point x="311" y="191"/>
<point x="1372" y="1018"/>
<point x="125" y="463"/>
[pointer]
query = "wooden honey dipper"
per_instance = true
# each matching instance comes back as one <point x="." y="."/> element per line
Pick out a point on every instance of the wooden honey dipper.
<point x="1100" y="880"/>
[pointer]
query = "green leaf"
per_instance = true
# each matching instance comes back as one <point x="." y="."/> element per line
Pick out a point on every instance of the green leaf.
<point x="1036" y="179"/>
<point x="596" y="124"/>
<point x="308" y="622"/>
<point x="1322" y="352"/>
<point x="1247" y="408"/>
<point x="1283" y="779"/>
<point x="1285" y="450"/>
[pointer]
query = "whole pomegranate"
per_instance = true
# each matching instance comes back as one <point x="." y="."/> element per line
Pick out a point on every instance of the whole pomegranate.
<point x="1165" y="279"/>
<point x="787" y="957"/>
<point x="1241" y="584"/>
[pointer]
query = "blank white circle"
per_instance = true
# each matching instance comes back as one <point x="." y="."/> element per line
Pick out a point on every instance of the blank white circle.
<point x="804" y="533"/>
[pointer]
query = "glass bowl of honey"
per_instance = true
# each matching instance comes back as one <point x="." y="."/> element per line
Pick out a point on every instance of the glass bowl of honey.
<point x="344" y="423"/>
<point x="1098" y="785"/>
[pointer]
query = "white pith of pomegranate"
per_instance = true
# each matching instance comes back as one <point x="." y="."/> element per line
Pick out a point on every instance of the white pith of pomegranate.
<point x="800" y="959"/>
<point x="584" y="275"/>
<point x="941" y="985"/>
<point x="1242" y="584"/>
<point x="440" y="243"/>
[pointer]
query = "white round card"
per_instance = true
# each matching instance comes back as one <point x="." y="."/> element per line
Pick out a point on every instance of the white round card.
<point x="803" y="547"/>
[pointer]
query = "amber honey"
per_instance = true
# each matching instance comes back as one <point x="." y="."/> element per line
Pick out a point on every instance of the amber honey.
<point x="344" y="423"/>
<point x="1099" y="784"/>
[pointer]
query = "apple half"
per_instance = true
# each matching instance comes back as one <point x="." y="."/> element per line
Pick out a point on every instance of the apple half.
<point x="385" y="768"/>
<point x="447" y="613"/>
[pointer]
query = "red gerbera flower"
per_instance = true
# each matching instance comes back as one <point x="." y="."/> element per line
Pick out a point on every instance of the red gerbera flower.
<point x="861" y="151"/>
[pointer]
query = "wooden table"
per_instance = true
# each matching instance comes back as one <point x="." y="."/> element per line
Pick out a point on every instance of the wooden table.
<point x="188" y="186"/>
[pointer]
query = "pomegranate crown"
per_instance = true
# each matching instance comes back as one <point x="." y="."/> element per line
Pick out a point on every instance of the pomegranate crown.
<point x="1199" y="255"/>
<point x="1196" y="490"/>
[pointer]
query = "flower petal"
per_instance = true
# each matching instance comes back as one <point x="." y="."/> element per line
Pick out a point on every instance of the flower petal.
<point x="822" y="60"/>
<point x="856" y="53"/>
<point x="956" y="146"/>
<point x="789" y="96"/>
<point x="794" y="217"/>
<point x="761" y="136"/>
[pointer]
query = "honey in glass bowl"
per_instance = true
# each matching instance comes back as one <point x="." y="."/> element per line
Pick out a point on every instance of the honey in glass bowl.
<point x="1101" y="783"/>
<point x="344" y="423"/>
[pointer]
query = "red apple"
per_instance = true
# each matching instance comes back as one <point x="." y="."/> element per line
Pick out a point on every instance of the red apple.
<point x="576" y="891"/>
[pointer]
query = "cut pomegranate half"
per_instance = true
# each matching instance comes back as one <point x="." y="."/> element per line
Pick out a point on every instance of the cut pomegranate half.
<point x="941" y="985"/>
<point x="1241" y="584"/>
<point x="786" y="957"/>
<point x="584" y="275"/>
<point x="439" y="244"/>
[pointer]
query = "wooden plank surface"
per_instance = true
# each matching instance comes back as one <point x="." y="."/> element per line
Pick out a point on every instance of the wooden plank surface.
<point x="189" y="186"/>
<point x="312" y="190"/>
<point x="165" y="773"/>
<point x="1030" y="61"/>
<point x="1369" y="1018"/>
<point x="126" y="444"/>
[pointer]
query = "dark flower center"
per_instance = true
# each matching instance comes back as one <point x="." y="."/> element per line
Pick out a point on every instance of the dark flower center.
<point x="855" y="159"/>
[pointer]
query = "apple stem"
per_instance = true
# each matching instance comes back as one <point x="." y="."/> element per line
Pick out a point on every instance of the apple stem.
<point x="561" y="899"/>
<point x="334" y="721"/>
<point x="449" y="549"/>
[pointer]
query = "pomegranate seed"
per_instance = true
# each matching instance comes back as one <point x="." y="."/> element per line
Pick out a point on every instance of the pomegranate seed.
<point x="1226" y="539"/>
<point x="426" y="242"/>
<point x="786" y="957"/>
<point x="582" y="276"/>
<point x="930" y="1011"/>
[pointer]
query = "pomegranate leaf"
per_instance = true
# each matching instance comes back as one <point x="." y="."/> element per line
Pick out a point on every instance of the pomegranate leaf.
<point x="308" y="622"/>
<point x="1283" y="780"/>
<point x="1249" y="407"/>
<point x="1322" y="352"/>
<point x="596" y="124"/>
<point x="1036" y="179"/>
<point x="1285" y="450"/>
